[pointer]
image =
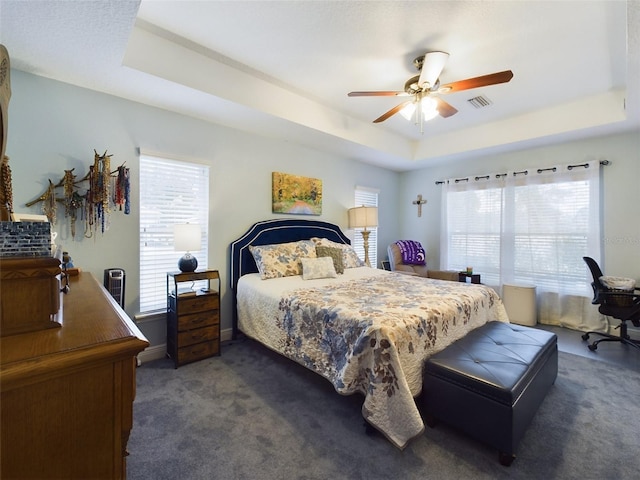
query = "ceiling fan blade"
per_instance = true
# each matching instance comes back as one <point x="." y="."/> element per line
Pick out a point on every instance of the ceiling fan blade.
<point x="377" y="94"/>
<point x="392" y="112"/>
<point x="432" y="66"/>
<point x="483" y="81"/>
<point x="444" y="109"/>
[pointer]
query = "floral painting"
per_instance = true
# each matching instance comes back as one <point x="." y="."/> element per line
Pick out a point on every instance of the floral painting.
<point x="296" y="195"/>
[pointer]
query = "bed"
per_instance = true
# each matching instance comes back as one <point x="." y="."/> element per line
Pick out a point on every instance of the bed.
<point x="365" y="330"/>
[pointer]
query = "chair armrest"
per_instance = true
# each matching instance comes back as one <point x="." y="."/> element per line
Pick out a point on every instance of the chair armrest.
<point x="444" y="275"/>
<point x="407" y="272"/>
<point x="403" y="268"/>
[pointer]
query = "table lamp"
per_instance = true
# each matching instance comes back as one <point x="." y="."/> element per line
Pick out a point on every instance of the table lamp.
<point x="363" y="217"/>
<point x="187" y="238"/>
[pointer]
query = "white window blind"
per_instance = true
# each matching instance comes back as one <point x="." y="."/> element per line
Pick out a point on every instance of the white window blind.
<point x="474" y="220"/>
<point x="171" y="192"/>
<point x="368" y="197"/>
<point x="550" y="234"/>
<point x="527" y="228"/>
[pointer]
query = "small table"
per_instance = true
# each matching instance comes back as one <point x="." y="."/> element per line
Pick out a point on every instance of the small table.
<point x="462" y="277"/>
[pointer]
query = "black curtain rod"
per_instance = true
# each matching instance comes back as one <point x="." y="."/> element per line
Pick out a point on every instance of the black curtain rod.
<point x="523" y="172"/>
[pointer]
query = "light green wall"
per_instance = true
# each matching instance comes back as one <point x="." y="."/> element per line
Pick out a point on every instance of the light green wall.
<point x="55" y="126"/>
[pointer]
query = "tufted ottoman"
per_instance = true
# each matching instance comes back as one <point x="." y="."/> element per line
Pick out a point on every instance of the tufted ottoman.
<point x="490" y="383"/>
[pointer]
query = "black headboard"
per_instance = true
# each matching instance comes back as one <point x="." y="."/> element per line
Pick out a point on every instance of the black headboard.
<point x="269" y="232"/>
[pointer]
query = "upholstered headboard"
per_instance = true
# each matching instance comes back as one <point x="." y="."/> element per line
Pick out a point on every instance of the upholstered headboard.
<point x="269" y="232"/>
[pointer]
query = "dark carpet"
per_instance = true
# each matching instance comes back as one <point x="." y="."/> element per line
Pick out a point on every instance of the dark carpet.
<point x="251" y="414"/>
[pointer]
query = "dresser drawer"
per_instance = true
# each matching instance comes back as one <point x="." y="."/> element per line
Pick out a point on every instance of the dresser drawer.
<point x="198" y="304"/>
<point x="197" y="320"/>
<point x="198" y="351"/>
<point x="196" y="336"/>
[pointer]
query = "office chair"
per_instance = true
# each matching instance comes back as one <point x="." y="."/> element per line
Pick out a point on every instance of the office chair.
<point x="620" y="304"/>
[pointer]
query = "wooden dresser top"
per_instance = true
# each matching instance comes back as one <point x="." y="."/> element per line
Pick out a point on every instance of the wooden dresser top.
<point x="94" y="329"/>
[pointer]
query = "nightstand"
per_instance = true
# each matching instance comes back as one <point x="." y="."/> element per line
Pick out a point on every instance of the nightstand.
<point x="475" y="277"/>
<point x="193" y="316"/>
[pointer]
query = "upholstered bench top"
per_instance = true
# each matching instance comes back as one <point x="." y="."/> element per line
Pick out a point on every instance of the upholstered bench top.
<point x="497" y="360"/>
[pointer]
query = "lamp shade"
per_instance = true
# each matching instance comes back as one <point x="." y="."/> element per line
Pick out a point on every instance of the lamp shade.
<point x="187" y="237"/>
<point x="363" y="217"/>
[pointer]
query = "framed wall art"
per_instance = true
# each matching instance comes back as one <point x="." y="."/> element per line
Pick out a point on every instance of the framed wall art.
<point x="296" y="195"/>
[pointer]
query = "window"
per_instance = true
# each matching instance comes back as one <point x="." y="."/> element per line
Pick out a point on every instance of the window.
<point x="369" y="198"/>
<point x="171" y="192"/>
<point x="531" y="228"/>
<point x="474" y="220"/>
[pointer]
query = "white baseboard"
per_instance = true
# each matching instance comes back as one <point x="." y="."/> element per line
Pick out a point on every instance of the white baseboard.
<point x="156" y="352"/>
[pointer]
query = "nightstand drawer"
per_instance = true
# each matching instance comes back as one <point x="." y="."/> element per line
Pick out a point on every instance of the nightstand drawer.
<point x="196" y="336"/>
<point x="197" y="320"/>
<point x="198" y="304"/>
<point x="198" y="351"/>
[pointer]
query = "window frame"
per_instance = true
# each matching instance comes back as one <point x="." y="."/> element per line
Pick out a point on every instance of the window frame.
<point x="172" y="191"/>
<point x="542" y="222"/>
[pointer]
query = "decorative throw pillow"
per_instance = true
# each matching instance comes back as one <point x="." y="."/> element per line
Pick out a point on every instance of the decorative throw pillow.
<point x="317" y="268"/>
<point x="334" y="253"/>
<point x="282" y="259"/>
<point x="412" y="252"/>
<point x="350" y="258"/>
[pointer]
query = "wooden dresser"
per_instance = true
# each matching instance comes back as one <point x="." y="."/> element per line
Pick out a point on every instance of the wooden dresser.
<point x="67" y="393"/>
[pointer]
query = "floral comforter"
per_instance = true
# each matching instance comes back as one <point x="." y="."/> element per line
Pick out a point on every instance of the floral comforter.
<point x="368" y="331"/>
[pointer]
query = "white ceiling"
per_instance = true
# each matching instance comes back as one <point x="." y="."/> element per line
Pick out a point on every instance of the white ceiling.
<point x="283" y="68"/>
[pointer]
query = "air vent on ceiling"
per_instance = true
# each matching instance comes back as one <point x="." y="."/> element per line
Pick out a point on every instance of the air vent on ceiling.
<point x="480" y="101"/>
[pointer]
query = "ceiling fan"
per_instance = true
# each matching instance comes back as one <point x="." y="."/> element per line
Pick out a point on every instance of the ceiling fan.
<point x="425" y="89"/>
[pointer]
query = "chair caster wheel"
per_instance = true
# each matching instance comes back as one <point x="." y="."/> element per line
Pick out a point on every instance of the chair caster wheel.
<point x="593" y="347"/>
<point x="585" y="336"/>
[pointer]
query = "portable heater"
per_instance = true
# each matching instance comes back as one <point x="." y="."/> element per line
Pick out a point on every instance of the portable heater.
<point x="114" y="281"/>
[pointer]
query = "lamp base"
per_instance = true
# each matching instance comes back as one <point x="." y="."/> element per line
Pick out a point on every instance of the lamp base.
<point x="365" y="238"/>
<point x="188" y="263"/>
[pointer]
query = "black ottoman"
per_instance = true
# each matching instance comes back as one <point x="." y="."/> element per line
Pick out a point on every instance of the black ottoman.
<point x="490" y="383"/>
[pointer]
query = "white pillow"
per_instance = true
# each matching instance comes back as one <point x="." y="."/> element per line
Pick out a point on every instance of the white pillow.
<point x="321" y="267"/>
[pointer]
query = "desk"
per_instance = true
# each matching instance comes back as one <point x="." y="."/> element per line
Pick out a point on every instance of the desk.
<point x="462" y="277"/>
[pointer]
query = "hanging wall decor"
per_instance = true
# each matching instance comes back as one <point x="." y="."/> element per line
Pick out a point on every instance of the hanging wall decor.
<point x="104" y="191"/>
<point x="296" y="195"/>
<point x="6" y="194"/>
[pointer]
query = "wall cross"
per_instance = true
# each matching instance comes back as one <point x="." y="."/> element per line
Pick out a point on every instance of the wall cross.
<point x="419" y="202"/>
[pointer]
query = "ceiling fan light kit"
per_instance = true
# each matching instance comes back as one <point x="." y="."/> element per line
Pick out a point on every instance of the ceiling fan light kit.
<point x="425" y="89"/>
<point x="421" y="111"/>
<point x="408" y="111"/>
